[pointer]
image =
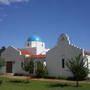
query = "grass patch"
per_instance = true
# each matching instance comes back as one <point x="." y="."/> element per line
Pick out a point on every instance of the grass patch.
<point x="19" y="81"/>
<point x="59" y="85"/>
<point x="1" y="82"/>
<point x="17" y="84"/>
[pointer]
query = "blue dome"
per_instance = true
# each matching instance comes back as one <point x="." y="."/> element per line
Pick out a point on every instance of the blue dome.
<point x="34" y="38"/>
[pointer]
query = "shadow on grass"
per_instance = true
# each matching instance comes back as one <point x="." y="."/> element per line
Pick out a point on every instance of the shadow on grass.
<point x="1" y="82"/>
<point x="59" y="85"/>
<point x="62" y="85"/>
<point x="19" y="81"/>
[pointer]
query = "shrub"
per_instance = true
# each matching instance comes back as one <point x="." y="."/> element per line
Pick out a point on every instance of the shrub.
<point x="41" y="70"/>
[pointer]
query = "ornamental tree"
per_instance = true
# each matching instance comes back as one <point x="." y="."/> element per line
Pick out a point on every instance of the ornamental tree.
<point x="77" y="66"/>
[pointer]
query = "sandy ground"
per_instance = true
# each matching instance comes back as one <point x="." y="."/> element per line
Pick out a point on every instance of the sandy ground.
<point x="41" y="79"/>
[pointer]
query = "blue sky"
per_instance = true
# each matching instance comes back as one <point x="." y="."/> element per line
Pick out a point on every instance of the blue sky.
<point x="47" y="18"/>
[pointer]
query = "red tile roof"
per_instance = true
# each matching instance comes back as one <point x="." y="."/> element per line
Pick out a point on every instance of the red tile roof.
<point x="38" y="56"/>
<point x="25" y="52"/>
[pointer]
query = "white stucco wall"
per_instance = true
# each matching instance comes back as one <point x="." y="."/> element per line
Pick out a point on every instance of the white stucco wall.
<point x="87" y="57"/>
<point x="37" y="44"/>
<point x="38" y="49"/>
<point x="63" y="50"/>
<point x="12" y="54"/>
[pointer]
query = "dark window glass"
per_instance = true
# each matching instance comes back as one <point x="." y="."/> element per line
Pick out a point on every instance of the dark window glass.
<point x="63" y="63"/>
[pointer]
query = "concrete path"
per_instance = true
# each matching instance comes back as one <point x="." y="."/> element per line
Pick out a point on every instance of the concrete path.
<point x="42" y="79"/>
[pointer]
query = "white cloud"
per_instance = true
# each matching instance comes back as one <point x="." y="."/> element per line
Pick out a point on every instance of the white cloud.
<point x="8" y="2"/>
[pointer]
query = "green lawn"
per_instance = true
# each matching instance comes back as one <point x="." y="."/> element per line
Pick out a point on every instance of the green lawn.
<point x="12" y="84"/>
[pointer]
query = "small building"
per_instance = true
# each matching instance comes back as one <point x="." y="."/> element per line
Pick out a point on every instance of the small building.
<point x="58" y="55"/>
<point x="34" y="48"/>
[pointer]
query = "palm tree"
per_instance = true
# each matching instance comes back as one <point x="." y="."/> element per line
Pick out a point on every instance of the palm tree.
<point x="77" y="67"/>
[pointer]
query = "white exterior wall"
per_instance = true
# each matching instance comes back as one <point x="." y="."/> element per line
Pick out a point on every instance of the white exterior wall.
<point x="36" y="51"/>
<point x="40" y="51"/>
<point x="36" y="48"/>
<point x="32" y="50"/>
<point x="11" y="54"/>
<point x="35" y="44"/>
<point x="63" y="50"/>
<point x="87" y="57"/>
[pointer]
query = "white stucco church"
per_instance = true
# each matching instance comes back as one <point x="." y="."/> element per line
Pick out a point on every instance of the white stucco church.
<point x="58" y="55"/>
<point x="34" y="48"/>
<point x="55" y="58"/>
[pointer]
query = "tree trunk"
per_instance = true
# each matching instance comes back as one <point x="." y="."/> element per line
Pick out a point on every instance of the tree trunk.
<point x="77" y="83"/>
<point x="27" y="79"/>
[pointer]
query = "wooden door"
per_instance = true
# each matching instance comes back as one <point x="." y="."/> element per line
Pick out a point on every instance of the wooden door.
<point x="9" y="67"/>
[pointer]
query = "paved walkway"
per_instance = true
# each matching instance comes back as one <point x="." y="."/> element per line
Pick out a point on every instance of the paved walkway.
<point x="42" y="79"/>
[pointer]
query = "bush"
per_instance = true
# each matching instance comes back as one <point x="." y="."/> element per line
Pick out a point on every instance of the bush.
<point x="41" y="70"/>
<point x="17" y="74"/>
<point x="28" y="65"/>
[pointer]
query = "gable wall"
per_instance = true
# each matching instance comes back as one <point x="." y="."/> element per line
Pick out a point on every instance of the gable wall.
<point x="54" y="59"/>
<point x="11" y="54"/>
